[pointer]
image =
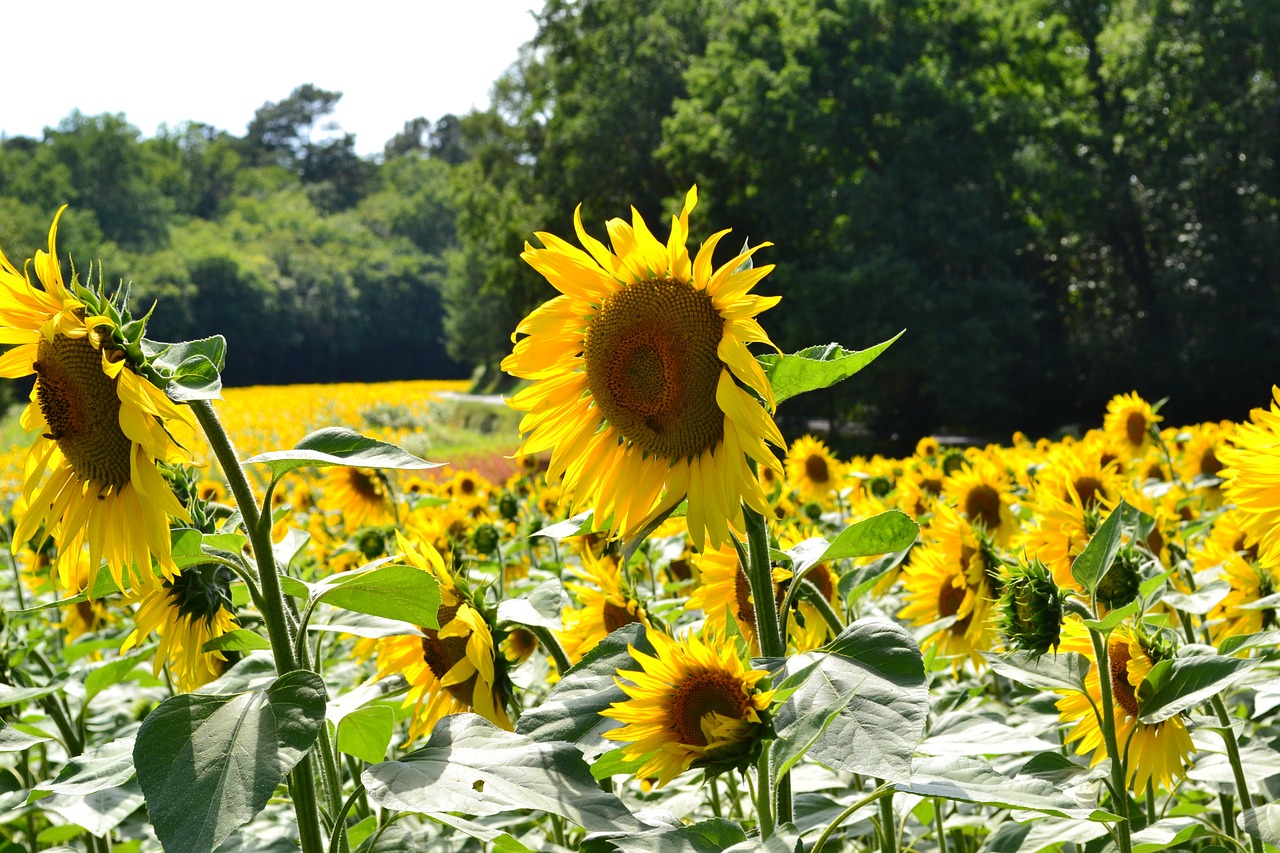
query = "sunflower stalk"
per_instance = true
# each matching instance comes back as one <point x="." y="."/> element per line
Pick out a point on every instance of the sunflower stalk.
<point x="883" y="792"/>
<point x="1119" y="795"/>
<point x="302" y="781"/>
<point x="1237" y="770"/>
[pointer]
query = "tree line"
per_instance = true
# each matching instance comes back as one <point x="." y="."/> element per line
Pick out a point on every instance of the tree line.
<point x="1059" y="200"/>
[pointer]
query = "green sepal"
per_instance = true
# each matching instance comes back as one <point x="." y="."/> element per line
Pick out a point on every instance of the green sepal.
<point x="187" y="370"/>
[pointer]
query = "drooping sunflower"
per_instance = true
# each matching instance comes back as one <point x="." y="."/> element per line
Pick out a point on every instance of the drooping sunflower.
<point x="812" y="471"/>
<point x="643" y="388"/>
<point x="91" y="477"/>
<point x="1158" y="752"/>
<point x="187" y="612"/>
<point x="695" y="702"/>
<point x="452" y="668"/>
<point x="362" y="495"/>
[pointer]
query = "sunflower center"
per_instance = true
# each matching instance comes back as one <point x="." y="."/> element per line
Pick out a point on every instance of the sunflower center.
<point x="365" y="484"/>
<point x="1088" y="488"/>
<point x="82" y="409"/>
<point x="1135" y="427"/>
<point x="950" y="597"/>
<point x="1210" y="465"/>
<point x="1121" y="689"/>
<point x="816" y="469"/>
<point x="703" y="693"/>
<point x="616" y="615"/>
<point x="652" y="367"/>
<point x="982" y="505"/>
<point x="442" y="654"/>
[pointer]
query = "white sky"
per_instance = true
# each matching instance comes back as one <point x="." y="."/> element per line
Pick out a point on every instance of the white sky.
<point x="169" y="62"/>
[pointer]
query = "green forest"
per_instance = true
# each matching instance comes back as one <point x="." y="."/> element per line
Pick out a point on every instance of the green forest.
<point x="1058" y="200"/>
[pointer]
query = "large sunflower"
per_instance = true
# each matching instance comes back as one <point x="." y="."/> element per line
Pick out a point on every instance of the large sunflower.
<point x="1160" y="752"/>
<point x="644" y="390"/>
<point x="1252" y="478"/>
<point x="694" y="703"/>
<point x="362" y="495"/>
<point x="91" y="476"/>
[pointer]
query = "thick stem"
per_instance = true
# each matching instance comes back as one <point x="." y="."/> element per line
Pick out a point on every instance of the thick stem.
<point x="764" y="796"/>
<point x="1237" y="770"/>
<point x="1120" y="794"/>
<point x="938" y="828"/>
<point x="302" y="781"/>
<point x="888" y="825"/>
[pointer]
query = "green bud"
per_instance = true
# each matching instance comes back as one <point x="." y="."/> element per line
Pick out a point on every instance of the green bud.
<point x="1031" y="608"/>
<point x="485" y="538"/>
<point x="1120" y="584"/>
<point x="508" y="506"/>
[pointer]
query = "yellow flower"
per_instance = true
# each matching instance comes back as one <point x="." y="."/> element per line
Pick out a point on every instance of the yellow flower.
<point x="187" y="612"/>
<point x="1253" y="478"/>
<point x="983" y="491"/>
<point x="603" y="606"/>
<point x="91" y="477"/>
<point x="643" y="387"/>
<point x="1128" y="420"/>
<point x="694" y="703"/>
<point x="812" y="470"/>
<point x="1249" y="582"/>
<point x="450" y="669"/>
<point x="360" y="494"/>
<point x="723" y="590"/>
<point x="1157" y="752"/>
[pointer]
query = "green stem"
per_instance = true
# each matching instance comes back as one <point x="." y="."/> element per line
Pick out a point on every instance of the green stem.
<point x="937" y="824"/>
<point x="1120" y="795"/>
<point x="552" y="647"/>
<point x="764" y="797"/>
<point x="715" y="797"/>
<point x="302" y="781"/>
<point x="338" y="840"/>
<point x="881" y="793"/>
<point x="1237" y="770"/>
<point x="888" y="826"/>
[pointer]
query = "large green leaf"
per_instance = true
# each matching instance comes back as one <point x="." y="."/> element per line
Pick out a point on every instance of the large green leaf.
<point x="541" y="608"/>
<point x="98" y="769"/>
<point x="1262" y="822"/>
<point x="1059" y="671"/>
<point x="16" y="740"/>
<point x="971" y="781"/>
<point x="366" y="732"/>
<point x="1174" y="686"/>
<point x="209" y="763"/>
<point x="880" y="534"/>
<point x="872" y="677"/>
<point x="708" y="836"/>
<point x="571" y="711"/>
<point x="970" y="734"/>
<point x="395" y="591"/>
<point x="1098" y="555"/>
<point x="471" y="766"/>
<point x="816" y="367"/>
<point x="11" y="695"/>
<point x="99" y="812"/>
<point x="340" y="446"/>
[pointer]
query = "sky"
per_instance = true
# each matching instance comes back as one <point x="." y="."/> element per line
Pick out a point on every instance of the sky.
<point x="169" y="62"/>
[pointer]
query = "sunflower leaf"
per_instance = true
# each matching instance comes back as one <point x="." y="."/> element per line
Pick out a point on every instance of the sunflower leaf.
<point x="340" y="446"/>
<point x="15" y="739"/>
<point x="816" y="367"/>
<point x="971" y="781"/>
<point x="237" y="640"/>
<point x="1185" y="682"/>
<point x="1060" y="671"/>
<point x="708" y="836"/>
<point x="208" y="764"/>
<point x="471" y="766"/>
<point x="1262" y="822"/>
<point x="366" y="732"/>
<point x="1095" y="560"/>
<point x="394" y="591"/>
<point x="871" y="678"/>
<point x="192" y="369"/>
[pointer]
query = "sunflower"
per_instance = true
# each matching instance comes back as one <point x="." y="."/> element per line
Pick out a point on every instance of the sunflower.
<point x="694" y="703"/>
<point x="723" y="591"/>
<point x="983" y="491"/>
<point x="604" y="606"/>
<point x="1158" y="752"/>
<point x="643" y="388"/>
<point x="1129" y="420"/>
<point x="1252" y="478"/>
<point x="362" y="495"/>
<point x="812" y="471"/>
<point x="1237" y="613"/>
<point x="187" y="612"/>
<point x="453" y="668"/>
<point x="1061" y="533"/>
<point x="91" y="477"/>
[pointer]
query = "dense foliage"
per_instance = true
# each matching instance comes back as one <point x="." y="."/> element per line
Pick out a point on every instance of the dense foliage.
<point x="1055" y="199"/>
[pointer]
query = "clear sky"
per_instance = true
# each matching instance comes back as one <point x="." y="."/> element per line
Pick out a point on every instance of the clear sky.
<point x="169" y="62"/>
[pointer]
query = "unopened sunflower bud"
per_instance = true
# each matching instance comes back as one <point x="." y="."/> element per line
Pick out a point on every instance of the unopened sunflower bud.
<point x="485" y="538"/>
<point x="1120" y="584"/>
<point x="508" y="506"/>
<point x="1031" y="608"/>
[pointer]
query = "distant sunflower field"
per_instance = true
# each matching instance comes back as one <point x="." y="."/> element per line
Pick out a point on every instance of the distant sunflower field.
<point x="644" y="621"/>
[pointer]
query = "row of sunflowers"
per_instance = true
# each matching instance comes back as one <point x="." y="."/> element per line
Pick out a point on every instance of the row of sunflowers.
<point x="658" y="632"/>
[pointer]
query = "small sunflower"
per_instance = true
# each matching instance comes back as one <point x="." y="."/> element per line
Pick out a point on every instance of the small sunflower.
<point x="1249" y="582"/>
<point x="812" y="471"/>
<point x="983" y="491"/>
<point x="1129" y="420"/>
<point x="362" y="495"/>
<point x="453" y="668"/>
<point x="696" y="703"/>
<point x="1160" y="752"/>
<point x="187" y="612"/>
<point x="643" y="388"/>
<point x="91" y="476"/>
<point x="723" y="590"/>
<point x="604" y="606"/>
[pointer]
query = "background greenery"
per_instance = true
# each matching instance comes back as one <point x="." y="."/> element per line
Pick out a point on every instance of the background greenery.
<point x="1058" y="200"/>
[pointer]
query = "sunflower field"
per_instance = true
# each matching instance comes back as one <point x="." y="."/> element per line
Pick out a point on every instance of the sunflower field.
<point x="645" y="621"/>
